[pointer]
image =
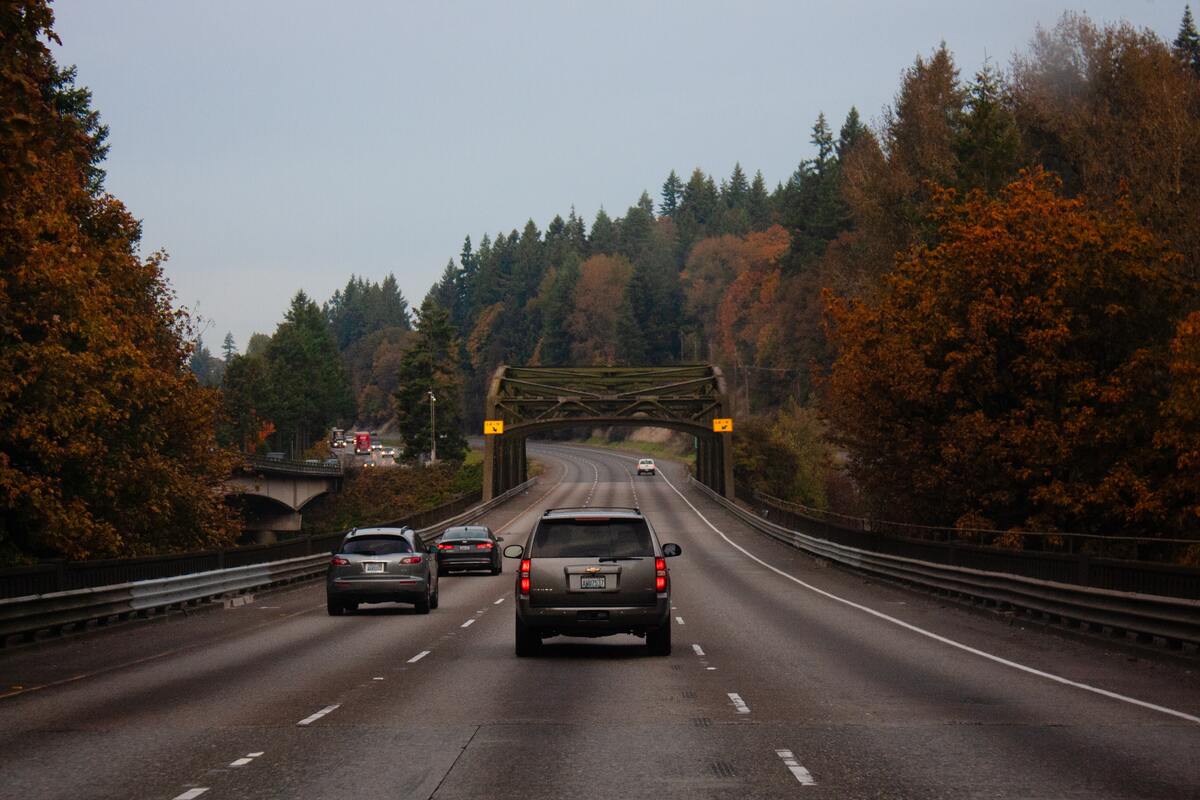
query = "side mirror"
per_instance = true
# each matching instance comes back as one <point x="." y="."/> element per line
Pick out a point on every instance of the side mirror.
<point x="670" y="550"/>
<point x="514" y="551"/>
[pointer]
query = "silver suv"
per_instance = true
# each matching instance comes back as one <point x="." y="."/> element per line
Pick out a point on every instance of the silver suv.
<point x="593" y="572"/>
<point x="381" y="565"/>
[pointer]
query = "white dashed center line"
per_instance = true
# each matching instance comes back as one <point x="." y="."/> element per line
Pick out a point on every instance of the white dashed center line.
<point x="467" y="624"/>
<point x="418" y="656"/>
<point x="738" y="703"/>
<point x="309" y="720"/>
<point x="679" y="620"/>
<point x="498" y="602"/>
<point x="789" y="761"/>
<point x="191" y="794"/>
<point x="699" y="652"/>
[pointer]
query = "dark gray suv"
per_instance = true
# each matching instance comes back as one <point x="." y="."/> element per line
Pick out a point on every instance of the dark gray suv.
<point x="593" y="572"/>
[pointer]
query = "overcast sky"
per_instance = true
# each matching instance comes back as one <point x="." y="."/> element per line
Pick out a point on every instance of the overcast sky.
<point x="284" y="145"/>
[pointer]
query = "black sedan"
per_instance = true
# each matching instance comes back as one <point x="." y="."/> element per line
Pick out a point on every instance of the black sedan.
<point x="469" y="547"/>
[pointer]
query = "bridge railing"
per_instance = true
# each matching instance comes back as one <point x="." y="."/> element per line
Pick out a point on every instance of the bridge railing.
<point x="290" y="467"/>
<point x="1083" y="559"/>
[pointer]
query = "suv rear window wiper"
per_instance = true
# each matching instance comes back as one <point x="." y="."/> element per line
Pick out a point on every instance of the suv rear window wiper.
<point x="621" y="558"/>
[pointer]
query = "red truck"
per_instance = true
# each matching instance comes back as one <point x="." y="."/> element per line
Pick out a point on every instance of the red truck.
<point x="362" y="444"/>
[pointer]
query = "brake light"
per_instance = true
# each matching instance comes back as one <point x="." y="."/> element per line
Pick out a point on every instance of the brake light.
<point x="411" y="560"/>
<point x="484" y="546"/>
<point x="660" y="574"/>
<point x="338" y="561"/>
<point x="526" y="565"/>
<point x="445" y="547"/>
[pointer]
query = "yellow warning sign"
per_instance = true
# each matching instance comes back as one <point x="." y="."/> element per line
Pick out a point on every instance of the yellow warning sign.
<point x="492" y="427"/>
<point x="723" y="425"/>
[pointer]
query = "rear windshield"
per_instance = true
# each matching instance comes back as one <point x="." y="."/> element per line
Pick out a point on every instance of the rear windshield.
<point x="613" y="538"/>
<point x="463" y="534"/>
<point x="377" y="545"/>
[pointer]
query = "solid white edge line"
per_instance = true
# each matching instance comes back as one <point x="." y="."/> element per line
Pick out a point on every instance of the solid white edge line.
<point x="191" y="794"/>
<point x="314" y="717"/>
<point x="418" y="657"/>
<point x="696" y="647"/>
<point x="467" y="624"/>
<point x="937" y="637"/>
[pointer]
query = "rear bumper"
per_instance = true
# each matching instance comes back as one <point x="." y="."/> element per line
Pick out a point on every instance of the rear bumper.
<point x="465" y="561"/>
<point x="376" y="590"/>
<point x="594" y="620"/>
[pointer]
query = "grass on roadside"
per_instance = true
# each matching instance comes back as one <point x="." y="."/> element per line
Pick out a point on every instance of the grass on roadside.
<point x="652" y="449"/>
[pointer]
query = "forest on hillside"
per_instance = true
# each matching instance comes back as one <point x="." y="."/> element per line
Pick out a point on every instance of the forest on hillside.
<point x="979" y="310"/>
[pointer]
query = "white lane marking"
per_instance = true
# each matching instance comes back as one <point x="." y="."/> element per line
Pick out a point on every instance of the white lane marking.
<point x="789" y="761"/>
<point x="254" y="755"/>
<point x="680" y="620"/>
<point x="498" y="602"/>
<point x="191" y="794"/>
<point x="376" y="679"/>
<point x="696" y="647"/>
<point x="309" y="720"/>
<point x="418" y="657"/>
<point x="711" y="668"/>
<point x="739" y="703"/>
<point x="467" y="624"/>
<point x="241" y="762"/>
<point x="1050" y="676"/>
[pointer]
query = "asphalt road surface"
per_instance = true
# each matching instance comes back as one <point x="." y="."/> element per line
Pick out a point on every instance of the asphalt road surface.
<point x="789" y="678"/>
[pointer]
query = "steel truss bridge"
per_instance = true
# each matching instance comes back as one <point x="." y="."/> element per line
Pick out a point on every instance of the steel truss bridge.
<point x="528" y="400"/>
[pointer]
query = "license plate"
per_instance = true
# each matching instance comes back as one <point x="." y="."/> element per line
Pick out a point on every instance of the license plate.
<point x="464" y="547"/>
<point x="596" y="582"/>
<point x="373" y="566"/>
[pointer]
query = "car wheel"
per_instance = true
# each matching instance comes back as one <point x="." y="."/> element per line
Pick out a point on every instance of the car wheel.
<point x="528" y="642"/>
<point x="433" y="598"/>
<point x="335" y="608"/>
<point x="422" y="606"/>
<point x="659" y="641"/>
<point x="497" y="568"/>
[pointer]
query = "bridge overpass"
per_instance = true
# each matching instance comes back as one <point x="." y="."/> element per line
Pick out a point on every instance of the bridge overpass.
<point x="272" y="493"/>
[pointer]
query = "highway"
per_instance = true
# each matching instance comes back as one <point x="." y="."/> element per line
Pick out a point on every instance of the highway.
<point x="789" y="678"/>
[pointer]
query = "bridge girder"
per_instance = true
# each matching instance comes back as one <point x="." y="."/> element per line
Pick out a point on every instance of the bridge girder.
<point x="684" y="397"/>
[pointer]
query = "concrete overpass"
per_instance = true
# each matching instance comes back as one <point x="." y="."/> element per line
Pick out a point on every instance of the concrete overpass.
<point x="272" y="493"/>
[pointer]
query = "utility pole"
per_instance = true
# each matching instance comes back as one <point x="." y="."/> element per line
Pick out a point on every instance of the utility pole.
<point x="432" y="427"/>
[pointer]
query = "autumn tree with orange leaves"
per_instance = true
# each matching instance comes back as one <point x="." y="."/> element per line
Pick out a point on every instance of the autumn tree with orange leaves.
<point x="106" y="439"/>
<point x="1014" y="372"/>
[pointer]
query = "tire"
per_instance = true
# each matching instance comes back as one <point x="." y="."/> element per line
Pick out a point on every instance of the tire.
<point x="498" y="568"/>
<point x="528" y="642"/>
<point x="659" y="642"/>
<point x="334" y="608"/>
<point x="433" y="598"/>
<point x="423" y="605"/>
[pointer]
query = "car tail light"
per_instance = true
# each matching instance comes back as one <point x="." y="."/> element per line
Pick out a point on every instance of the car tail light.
<point x="484" y="546"/>
<point x="526" y="565"/>
<point x="338" y="561"/>
<point x="660" y="574"/>
<point x="445" y="547"/>
<point x="411" y="560"/>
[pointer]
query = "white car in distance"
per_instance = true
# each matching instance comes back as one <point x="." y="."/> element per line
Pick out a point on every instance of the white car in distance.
<point x="646" y="466"/>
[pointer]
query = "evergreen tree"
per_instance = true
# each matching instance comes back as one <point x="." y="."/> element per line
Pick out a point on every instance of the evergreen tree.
<point x="672" y="192"/>
<point x="758" y="203"/>
<point x="1187" y="43"/>
<point x="556" y="342"/>
<point x="228" y="348"/>
<point x="637" y="228"/>
<point x="738" y="189"/>
<point x="74" y="103"/>
<point x="603" y="238"/>
<point x="310" y="389"/>
<point x="431" y="365"/>
<point x="645" y="203"/>
<point x="987" y="141"/>
<point x="245" y="396"/>
<point x="822" y="139"/>
<point x="852" y="131"/>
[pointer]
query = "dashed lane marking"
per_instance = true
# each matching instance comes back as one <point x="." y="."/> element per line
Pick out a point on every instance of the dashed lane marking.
<point x="680" y="620"/>
<point x="467" y="624"/>
<point x="246" y="759"/>
<point x="311" y="718"/>
<point x="698" y="650"/>
<point x="498" y="602"/>
<point x="192" y="794"/>
<point x="802" y="775"/>
<point x="418" y="657"/>
<point x="738" y="703"/>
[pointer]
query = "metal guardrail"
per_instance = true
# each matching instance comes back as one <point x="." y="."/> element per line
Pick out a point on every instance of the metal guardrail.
<point x="1171" y="619"/>
<point x="77" y="607"/>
